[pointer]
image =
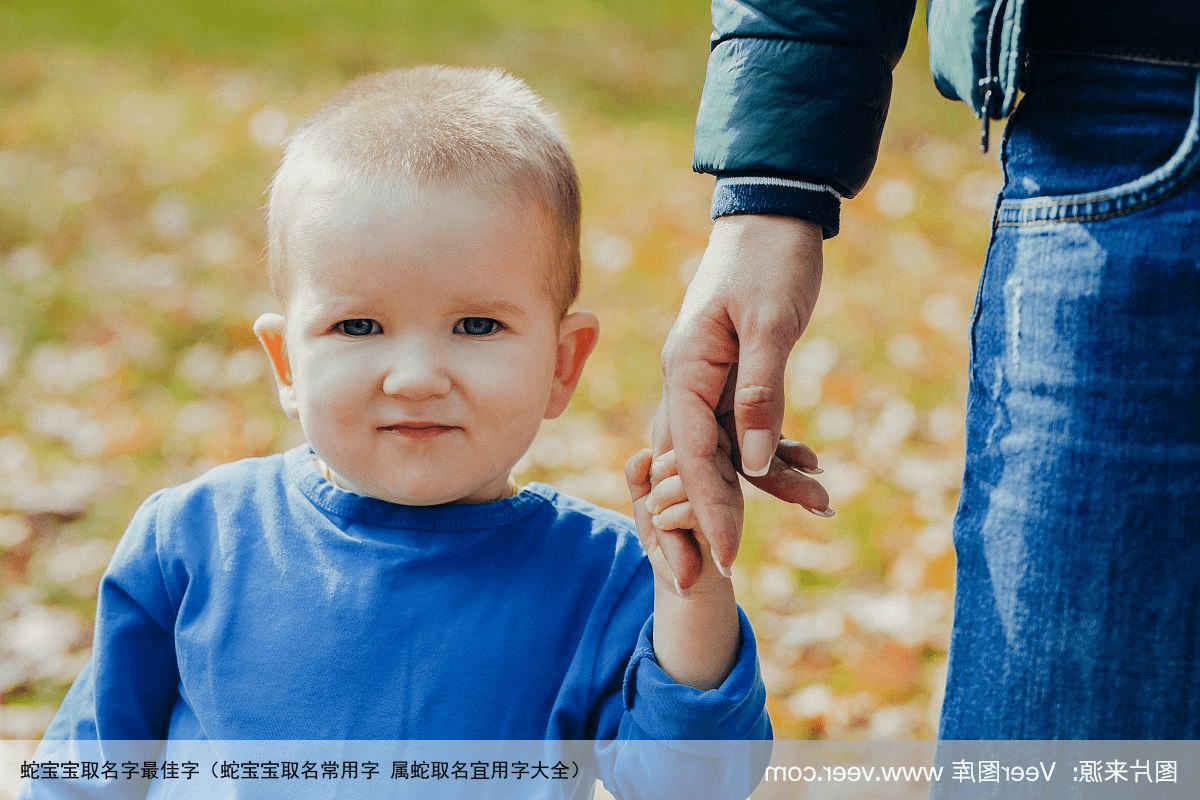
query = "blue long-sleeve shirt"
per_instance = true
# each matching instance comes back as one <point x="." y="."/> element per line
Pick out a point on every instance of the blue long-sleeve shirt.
<point x="261" y="602"/>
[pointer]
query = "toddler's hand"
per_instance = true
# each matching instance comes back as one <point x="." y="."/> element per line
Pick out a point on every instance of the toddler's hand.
<point x="666" y="519"/>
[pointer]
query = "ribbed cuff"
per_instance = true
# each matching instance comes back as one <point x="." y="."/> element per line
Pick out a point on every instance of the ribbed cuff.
<point x="781" y="197"/>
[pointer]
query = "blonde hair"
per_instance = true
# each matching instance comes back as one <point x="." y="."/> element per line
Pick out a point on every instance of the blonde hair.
<point x="436" y="126"/>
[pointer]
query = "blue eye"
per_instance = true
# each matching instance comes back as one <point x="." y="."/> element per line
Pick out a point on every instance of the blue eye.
<point x="477" y="326"/>
<point x="358" y="327"/>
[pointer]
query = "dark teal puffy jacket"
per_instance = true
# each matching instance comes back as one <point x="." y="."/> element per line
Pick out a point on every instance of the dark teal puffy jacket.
<point x="797" y="91"/>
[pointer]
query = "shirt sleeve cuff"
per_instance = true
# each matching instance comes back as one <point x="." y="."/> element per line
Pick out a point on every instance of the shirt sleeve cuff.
<point x="778" y="196"/>
<point x="666" y="710"/>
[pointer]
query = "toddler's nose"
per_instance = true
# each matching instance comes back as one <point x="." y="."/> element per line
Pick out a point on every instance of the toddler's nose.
<point x="415" y="372"/>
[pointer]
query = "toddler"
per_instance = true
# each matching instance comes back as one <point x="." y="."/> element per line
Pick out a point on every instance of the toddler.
<point x="387" y="580"/>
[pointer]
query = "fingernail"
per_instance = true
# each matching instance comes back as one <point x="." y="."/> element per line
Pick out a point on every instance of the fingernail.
<point x="811" y="470"/>
<point x="678" y="588"/>
<point x="757" y="451"/>
<point x="656" y="521"/>
<point x="721" y="568"/>
<point x="828" y="512"/>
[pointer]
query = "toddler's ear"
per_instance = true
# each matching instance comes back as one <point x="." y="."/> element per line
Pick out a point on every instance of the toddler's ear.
<point x="269" y="330"/>
<point x="577" y="335"/>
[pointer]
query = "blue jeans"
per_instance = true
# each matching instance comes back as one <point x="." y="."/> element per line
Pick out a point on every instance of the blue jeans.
<point x="1077" y="611"/>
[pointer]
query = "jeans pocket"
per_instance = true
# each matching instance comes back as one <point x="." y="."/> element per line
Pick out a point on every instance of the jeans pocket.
<point x="1169" y="178"/>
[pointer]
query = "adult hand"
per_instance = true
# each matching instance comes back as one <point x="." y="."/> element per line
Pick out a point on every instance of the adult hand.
<point x="750" y="300"/>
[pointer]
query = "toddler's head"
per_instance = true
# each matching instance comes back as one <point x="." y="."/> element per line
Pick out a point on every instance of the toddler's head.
<point x="479" y="131"/>
<point x="423" y="238"/>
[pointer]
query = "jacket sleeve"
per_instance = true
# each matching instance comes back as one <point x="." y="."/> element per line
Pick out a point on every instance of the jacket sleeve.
<point x="794" y="102"/>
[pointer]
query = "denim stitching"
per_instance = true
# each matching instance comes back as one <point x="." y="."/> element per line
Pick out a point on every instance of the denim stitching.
<point x="1154" y="187"/>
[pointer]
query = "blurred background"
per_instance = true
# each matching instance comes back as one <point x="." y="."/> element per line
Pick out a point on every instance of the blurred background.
<point x="137" y="138"/>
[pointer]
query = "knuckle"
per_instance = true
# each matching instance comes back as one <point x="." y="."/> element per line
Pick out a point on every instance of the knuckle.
<point x="756" y="396"/>
<point x="777" y="324"/>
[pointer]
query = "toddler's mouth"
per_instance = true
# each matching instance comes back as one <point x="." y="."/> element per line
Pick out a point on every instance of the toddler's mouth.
<point x="419" y="430"/>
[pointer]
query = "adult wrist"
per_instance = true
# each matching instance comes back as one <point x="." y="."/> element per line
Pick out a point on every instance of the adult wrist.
<point x="777" y="230"/>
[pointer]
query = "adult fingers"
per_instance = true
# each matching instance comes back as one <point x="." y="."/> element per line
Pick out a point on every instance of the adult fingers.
<point x="798" y="455"/>
<point x="758" y="401"/>
<point x="694" y="433"/>
<point x="696" y="360"/>
<point x="790" y="478"/>
<point x="793" y="486"/>
<point x="790" y="475"/>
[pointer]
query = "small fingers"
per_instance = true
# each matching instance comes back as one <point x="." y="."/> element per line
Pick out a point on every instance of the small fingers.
<point x="668" y="485"/>
<point x="679" y="516"/>
<point x="637" y="478"/>
<point x="674" y="509"/>
<point x="667" y="492"/>
<point x="676" y="551"/>
<point x="664" y="466"/>
<point x="637" y="474"/>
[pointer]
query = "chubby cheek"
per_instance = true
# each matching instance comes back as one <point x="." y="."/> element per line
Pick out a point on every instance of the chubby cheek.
<point x="327" y="399"/>
<point x="516" y="384"/>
